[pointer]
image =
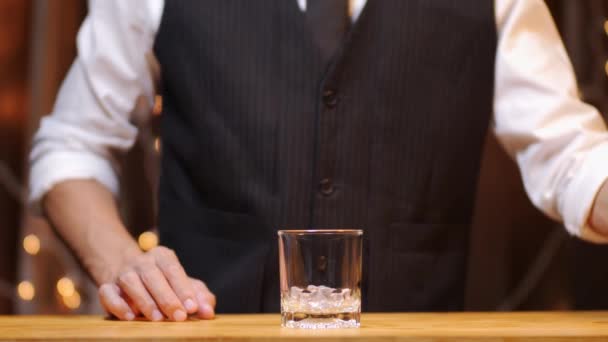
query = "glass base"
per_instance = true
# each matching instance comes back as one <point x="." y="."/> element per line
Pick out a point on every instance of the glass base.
<point x="303" y="320"/>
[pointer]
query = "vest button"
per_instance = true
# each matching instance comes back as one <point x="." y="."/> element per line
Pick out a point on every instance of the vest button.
<point x="322" y="264"/>
<point x="330" y="98"/>
<point x="326" y="186"/>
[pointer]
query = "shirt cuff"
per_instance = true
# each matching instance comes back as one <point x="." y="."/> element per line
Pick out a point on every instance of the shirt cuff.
<point x="580" y="194"/>
<point x="56" y="167"/>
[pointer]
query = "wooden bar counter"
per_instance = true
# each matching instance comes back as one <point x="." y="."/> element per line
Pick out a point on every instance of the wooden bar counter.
<point x="536" y="326"/>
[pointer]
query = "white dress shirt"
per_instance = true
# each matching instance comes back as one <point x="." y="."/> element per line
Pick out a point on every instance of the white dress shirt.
<point x="559" y="142"/>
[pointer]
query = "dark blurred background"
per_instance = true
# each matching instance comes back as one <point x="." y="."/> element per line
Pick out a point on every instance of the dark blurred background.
<point x="520" y="260"/>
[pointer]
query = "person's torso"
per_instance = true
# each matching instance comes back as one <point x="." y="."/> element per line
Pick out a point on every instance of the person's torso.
<point x="260" y="134"/>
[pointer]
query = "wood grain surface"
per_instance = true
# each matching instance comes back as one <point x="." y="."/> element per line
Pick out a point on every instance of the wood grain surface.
<point x="537" y="326"/>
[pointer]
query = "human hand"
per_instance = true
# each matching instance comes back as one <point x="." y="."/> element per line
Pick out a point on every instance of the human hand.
<point x="155" y="284"/>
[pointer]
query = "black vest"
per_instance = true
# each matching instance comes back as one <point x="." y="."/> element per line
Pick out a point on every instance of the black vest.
<point x="260" y="134"/>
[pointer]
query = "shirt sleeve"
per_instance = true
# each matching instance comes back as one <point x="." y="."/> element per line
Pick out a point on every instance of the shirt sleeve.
<point x="110" y="79"/>
<point x="559" y="142"/>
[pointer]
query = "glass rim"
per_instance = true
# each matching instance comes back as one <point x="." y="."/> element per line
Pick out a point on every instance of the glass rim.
<point x="320" y="232"/>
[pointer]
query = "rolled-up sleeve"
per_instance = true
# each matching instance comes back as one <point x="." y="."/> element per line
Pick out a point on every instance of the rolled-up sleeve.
<point x="559" y="142"/>
<point x="91" y="119"/>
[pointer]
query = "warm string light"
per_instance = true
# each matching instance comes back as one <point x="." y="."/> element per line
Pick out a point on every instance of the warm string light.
<point x="65" y="287"/>
<point x="157" y="144"/>
<point x="69" y="296"/>
<point x="73" y="301"/>
<point x="147" y="240"/>
<point x="158" y="105"/>
<point x="26" y="290"/>
<point x="31" y="244"/>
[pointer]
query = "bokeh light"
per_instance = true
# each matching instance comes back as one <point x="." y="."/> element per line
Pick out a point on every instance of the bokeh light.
<point x="65" y="287"/>
<point x="147" y="240"/>
<point x="73" y="301"/>
<point x="158" y="105"/>
<point x="26" y="290"/>
<point x="31" y="244"/>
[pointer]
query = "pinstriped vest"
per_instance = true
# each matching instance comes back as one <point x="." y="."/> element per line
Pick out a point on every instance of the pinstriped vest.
<point x="260" y="134"/>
